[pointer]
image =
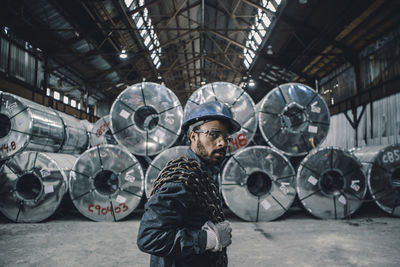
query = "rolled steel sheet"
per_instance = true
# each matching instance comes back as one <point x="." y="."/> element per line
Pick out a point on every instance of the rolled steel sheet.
<point x="76" y="137"/>
<point x="146" y="118"/>
<point x="258" y="184"/>
<point x="100" y="133"/>
<point x="106" y="183"/>
<point x="87" y="124"/>
<point x="28" y="125"/>
<point x="239" y="103"/>
<point x="33" y="185"/>
<point x="331" y="183"/>
<point x="294" y="119"/>
<point x="159" y="162"/>
<point x="381" y="165"/>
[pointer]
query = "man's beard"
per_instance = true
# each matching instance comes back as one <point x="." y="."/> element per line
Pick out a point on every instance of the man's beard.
<point x="202" y="153"/>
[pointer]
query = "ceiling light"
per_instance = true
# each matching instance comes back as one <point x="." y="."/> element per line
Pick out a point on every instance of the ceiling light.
<point x="203" y="83"/>
<point x="269" y="50"/>
<point x="123" y="54"/>
<point x="252" y="83"/>
<point x="159" y="77"/>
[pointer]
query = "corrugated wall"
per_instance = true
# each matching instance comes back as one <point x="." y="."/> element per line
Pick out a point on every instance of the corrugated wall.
<point x="379" y="126"/>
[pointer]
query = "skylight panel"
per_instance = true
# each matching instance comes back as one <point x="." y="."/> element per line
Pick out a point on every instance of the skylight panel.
<point x="139" y="22"/>
<point x="258" y="31"/>
<point x="265" y="20"/>
<point x="128" y="3"/>
<point x="271" y="7"/>
<point x="248" y="58"/>
<point x="146" y="30"/>
<point x="258" y="39"/>
<point x="147" y="40"/>
<point x="143" y="33"/>
<point x="252" y="54"/>
<point x="246" y="64"/>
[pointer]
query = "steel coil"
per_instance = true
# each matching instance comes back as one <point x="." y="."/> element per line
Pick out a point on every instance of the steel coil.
<point x="27" y="125"/>
<point x="381" y="165"/>
<point x="106" y="183"/>
<point x="76" y="137"/>
<point x="146" y="118"/>
<point x="258" y="184"/>
<point x="239" y="103"/>
<point x="331" y="183"/>
<point x="33" y="185"/>
<point x="100" y="133"/>
<point x="294" y="119"/>
<point x="159" y="162"/>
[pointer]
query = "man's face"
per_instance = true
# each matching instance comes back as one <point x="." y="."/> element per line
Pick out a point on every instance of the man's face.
<point x="208" y="141"/>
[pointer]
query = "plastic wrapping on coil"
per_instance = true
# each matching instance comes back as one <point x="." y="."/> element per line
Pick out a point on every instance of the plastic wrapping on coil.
<point x="159" y="163"/>
<point x="146" y="118"/>
<point x="381" y="165"/>
<point x="294" y="119"/>
<point x="33" y="185"/>
<point x="239" y="103"/>
<point x="27" y="125"/>
<point x="331" y="183"/>
<point x="258" y="184"/>
<point x="76" y="138"/>
<point x="106" y="183"/>
<point x="100" y="133"/>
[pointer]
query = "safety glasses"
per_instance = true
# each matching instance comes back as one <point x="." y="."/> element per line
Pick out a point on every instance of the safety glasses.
<point x="215" y="134"/>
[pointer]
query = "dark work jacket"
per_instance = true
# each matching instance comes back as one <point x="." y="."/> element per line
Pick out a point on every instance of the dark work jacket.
<point x="170" y="229"/>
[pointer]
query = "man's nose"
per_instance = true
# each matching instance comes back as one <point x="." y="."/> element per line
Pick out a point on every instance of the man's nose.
<point x="221" y="142"/>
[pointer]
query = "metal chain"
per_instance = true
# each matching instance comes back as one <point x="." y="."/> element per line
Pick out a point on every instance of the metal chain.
<point x="190" y="173"/>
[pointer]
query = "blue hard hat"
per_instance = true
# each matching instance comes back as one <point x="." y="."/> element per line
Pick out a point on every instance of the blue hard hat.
<point x="211" y="110"/>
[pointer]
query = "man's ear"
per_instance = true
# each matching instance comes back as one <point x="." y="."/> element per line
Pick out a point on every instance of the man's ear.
<point x="192" y="137"/>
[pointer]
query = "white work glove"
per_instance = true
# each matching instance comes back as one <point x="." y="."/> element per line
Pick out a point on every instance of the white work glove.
<point x="219" y="235"/>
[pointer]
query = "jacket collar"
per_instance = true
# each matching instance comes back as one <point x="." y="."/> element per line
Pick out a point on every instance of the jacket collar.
<point x="213" y="171"/>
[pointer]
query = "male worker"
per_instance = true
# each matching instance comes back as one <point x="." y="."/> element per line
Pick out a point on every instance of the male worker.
<point x="183" y="223"/>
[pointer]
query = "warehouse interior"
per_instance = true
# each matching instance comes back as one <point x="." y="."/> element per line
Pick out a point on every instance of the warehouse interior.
<point x="94" y="93"/>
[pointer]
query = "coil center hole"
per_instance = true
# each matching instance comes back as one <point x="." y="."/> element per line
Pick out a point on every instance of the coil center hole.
<point x="396" y="178"/>
<point x="332" y="182"/>
<point x="5" y="123"/>
<point x="259" y="183"/>
<point x="106" y="182"/>
<point x="146" y="118"/>
<point x="29" y="186"/>
<point x="293" y="118"/>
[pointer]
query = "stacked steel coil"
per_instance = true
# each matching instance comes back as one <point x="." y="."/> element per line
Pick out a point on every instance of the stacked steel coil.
<point x="381" y="165"/>
<point x="33" y="185"/>
<point x="100" y="133"/>
<point x="258" y="184"/>
<point x="293" y="118"/>
<point x="238" y="102"/>
<point x="27" y="125"/>
<point x="146" y="118"/>
<point x="106" y="183"/>
<point x="331" y="183"/>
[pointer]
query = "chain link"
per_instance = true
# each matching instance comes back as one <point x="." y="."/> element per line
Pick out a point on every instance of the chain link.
<point x="197" y="181"/>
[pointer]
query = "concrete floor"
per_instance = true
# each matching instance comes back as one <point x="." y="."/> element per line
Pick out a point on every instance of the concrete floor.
<point x="369" y="238"/>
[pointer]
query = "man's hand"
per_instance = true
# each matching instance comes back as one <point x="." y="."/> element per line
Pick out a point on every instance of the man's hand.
<point x="219" y="235"/>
